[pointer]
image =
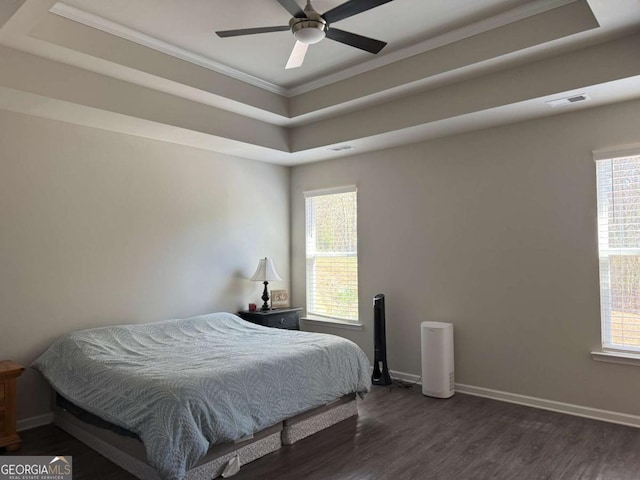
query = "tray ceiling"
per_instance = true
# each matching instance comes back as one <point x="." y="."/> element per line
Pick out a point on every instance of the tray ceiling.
<point x="190" y="25"/>
<point x="155" y="68"/>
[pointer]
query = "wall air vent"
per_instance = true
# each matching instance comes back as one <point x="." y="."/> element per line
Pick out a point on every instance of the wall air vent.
<point x="561" y="102"/>
<point x="341" y="148"/>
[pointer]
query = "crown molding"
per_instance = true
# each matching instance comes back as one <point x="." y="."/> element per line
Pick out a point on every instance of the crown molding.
<point x="519" y="13"/>
<point x="100" y="23"/>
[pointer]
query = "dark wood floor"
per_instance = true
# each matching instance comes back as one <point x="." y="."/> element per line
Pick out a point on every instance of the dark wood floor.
<point x="401" y="434"/>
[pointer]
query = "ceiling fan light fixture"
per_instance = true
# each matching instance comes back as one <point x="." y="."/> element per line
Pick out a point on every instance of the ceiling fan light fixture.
<point x="309" y="31"/>
<point x="309" y="27"/>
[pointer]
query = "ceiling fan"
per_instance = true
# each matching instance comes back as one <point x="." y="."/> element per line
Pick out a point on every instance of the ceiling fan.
<point x="309" y="27"/>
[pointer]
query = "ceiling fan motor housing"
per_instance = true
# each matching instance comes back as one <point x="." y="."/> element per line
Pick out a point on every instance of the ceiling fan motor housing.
<point x="309" y="30"/>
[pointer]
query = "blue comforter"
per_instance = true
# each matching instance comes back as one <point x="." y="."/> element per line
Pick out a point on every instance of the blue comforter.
<point x="183" y="385"/>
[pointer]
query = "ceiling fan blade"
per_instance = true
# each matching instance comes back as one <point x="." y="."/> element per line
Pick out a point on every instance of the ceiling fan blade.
<point x="251" y="31"/>
<point x="370" y="45"/>
<point x="293" y="8"/>
<point x="351" y="8"/>
<point x="297" y="55"/>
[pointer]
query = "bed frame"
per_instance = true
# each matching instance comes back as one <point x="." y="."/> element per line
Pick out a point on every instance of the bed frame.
<point x="129" y="452"/>
<point x="301" y="426"/>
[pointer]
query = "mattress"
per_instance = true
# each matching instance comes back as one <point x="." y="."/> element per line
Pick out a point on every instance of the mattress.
<point x="183" y="385"/>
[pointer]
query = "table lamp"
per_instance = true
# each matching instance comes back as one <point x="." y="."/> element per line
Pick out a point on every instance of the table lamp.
<point x="264" y="273"/>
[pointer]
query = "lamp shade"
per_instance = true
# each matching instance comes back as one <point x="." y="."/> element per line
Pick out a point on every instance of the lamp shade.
<point x="266" y="271"/>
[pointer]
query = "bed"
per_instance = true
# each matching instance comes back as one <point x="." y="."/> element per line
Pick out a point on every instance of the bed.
<point x="185" y="386"/>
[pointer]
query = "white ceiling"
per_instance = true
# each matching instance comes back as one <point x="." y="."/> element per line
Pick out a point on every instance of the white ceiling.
<point x="136" y="67"/>
<point x="190" y="25"/>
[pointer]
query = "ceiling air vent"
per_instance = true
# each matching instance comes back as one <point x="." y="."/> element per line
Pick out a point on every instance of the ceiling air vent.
<point x="341" y="148"/>
<point x="561" y="102"/>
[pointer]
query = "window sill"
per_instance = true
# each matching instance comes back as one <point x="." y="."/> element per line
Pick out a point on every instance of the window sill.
<point x="623" y="358"/>
<point x="327" y="322"/>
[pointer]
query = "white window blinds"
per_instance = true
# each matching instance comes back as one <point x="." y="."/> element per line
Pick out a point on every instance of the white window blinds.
<point x="618" y="190"/>
<point x="332" y="253"/>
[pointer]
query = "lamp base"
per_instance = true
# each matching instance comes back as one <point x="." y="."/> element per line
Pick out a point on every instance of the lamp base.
<point x="265" y="297"/>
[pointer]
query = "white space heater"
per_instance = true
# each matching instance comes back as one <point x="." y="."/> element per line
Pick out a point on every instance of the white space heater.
<point x="437" y="359"/>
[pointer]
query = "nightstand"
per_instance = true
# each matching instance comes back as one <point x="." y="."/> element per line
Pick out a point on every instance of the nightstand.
<point x="9" y="372"/>
<point x="286" y="318"/>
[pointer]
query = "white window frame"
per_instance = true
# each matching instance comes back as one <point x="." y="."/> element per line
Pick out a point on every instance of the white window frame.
<point x="611" y="352"/>
<point x="312" y="317"/>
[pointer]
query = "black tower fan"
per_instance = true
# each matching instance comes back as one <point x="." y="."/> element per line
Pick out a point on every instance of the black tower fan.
<point x="380" y="374"/>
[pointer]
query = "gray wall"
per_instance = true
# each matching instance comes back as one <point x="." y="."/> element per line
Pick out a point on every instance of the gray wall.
<point x="494" y="231"/>
<point x="100" y="228"/>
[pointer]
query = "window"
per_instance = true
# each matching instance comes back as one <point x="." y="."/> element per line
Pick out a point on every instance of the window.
<point x="332" y="254"/>
<point x="618" y="184"/>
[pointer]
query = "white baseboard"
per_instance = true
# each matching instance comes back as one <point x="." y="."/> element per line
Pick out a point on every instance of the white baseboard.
<point x="406" y="377"/>
<point x="571" y="409"/>
<point x="33" y="422"/>
<point x="544" y="404"/>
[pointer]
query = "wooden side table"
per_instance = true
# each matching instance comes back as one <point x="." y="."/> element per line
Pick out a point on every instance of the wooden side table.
<point x="9" y="372"/>
<point x="285" y="318"/>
